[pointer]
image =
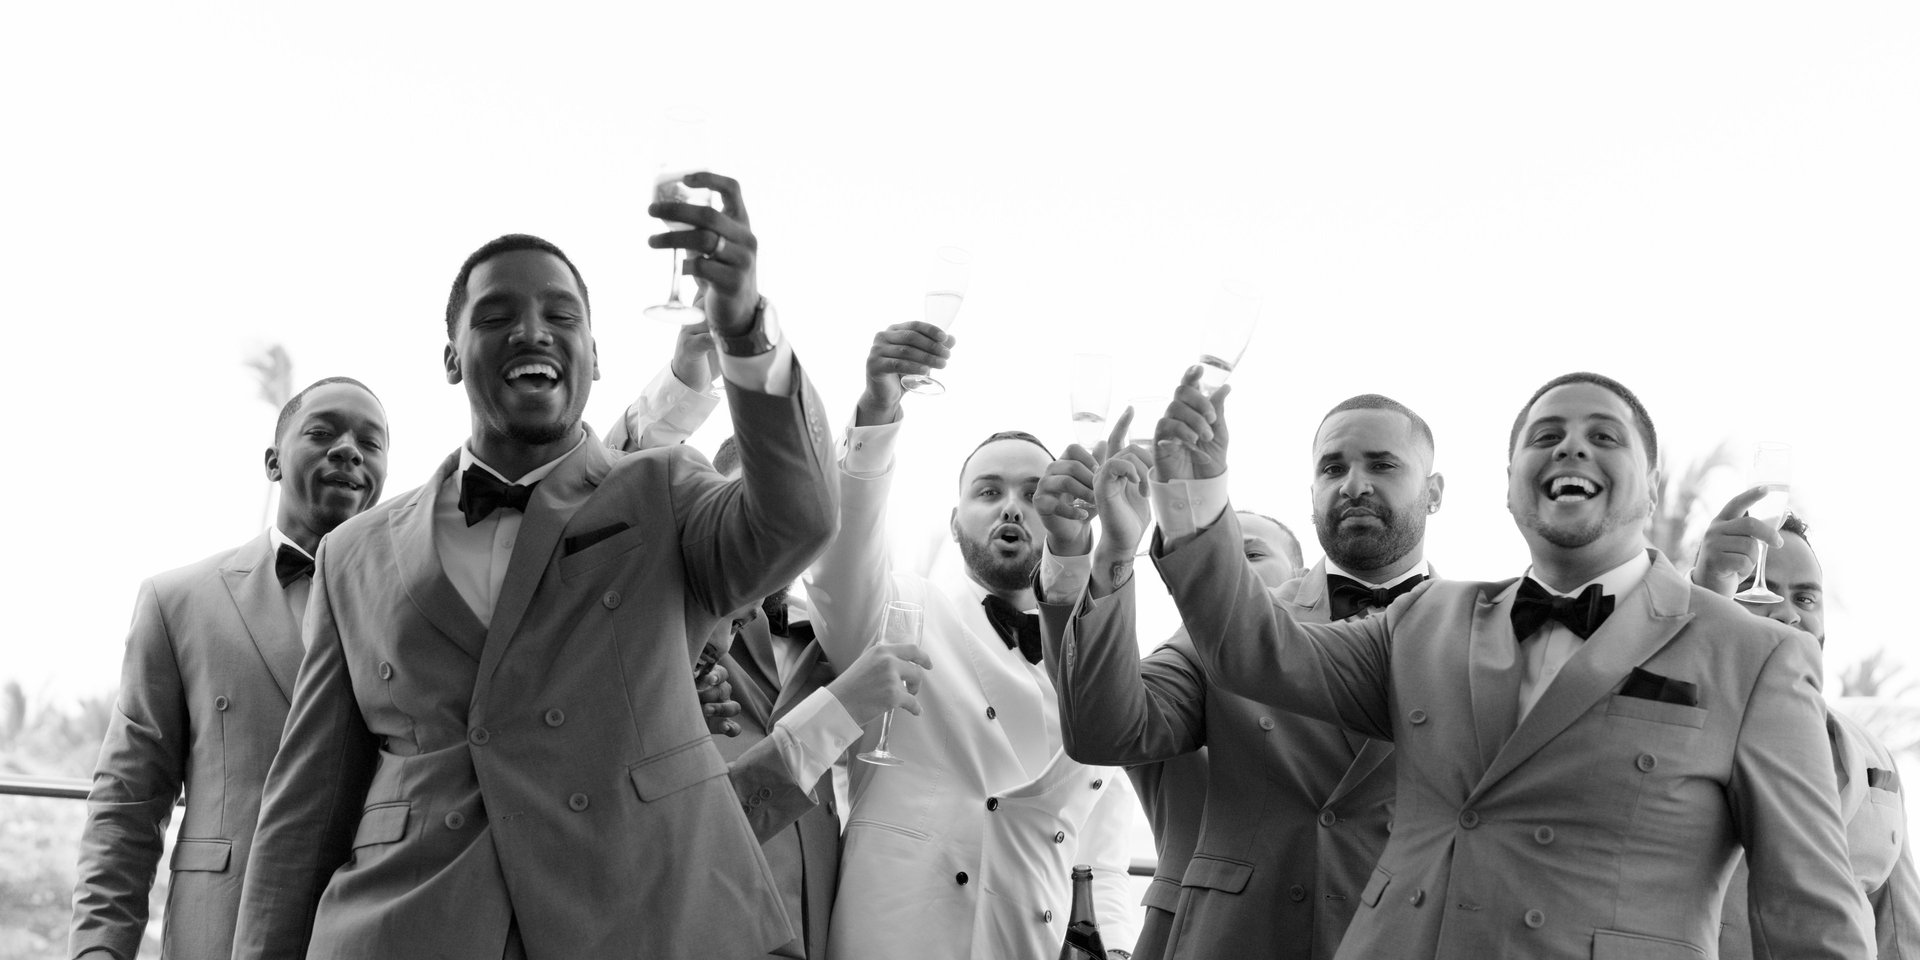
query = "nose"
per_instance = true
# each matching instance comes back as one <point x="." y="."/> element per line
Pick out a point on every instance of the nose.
<point x="346" y="449"/>
<point x="1572" y="447"/>
<point x="530" y="328"/>
<point x="1784" y="612"/>
<point x="1355" y="485"/>
<point x="1010" y="509"/>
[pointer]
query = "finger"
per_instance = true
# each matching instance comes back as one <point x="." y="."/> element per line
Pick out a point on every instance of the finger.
<point x="727" y="187"/>
<point x="918" y="335"/>
<point x="1197" y="423"/>
<point x="726" y="708"/>
<point x="730" y="728"/>
<point x="1080" y="468"/>
<point x="715" y="676"/>
<point x="1748" y="529"/>
<point x="1079" y="457"/>
<point x="912" y="353"/>
<point x="725" y="278"/>
<point x="1117" y="437"/>
<point x="1741" y="503"/>
<point x="1068" y="488"/>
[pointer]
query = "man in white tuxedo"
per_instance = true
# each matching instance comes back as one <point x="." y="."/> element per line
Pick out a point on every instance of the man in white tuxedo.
<point x="965" y="850"/>
<point x="1581" y="752"/>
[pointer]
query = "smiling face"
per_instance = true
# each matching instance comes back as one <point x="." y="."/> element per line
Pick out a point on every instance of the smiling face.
<point x="1579" y="485"/>
<point x="998" y="530"/>
<point x="524" y="349"/>
<point x="1373" y="487"/>
<point x="1794" y="574"/>
<point x="330" y="460"/>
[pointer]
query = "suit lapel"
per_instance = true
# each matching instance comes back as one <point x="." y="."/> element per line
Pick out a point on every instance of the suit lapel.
<point x="758" y="682"/>
<point x="1493" y="671"/>
<point x="554" y="501"/>
<point x="1366" y="759"/>
<point x="262" y="604"/>
<point x="1642" y="622"/>
<point x="1311" y="603"/>
<point x="810" y="672"/>
<point x="410" y="527"/>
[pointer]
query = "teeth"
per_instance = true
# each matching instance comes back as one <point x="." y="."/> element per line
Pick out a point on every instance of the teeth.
<point x="534" y="369"/>
<point x="1571" y="488"/>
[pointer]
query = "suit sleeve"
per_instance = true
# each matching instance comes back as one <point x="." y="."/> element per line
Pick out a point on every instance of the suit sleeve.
<point x="740" y="540"/>
<point x="851" y="582"/>
<point x="666" y="412"/>
<point x="1115" y="707"/>
<point x="1249" y="645"/>
<point x="136" y="782"/>
<point x="1802" y="900"/>
<point x="313" y="797"/>
<point x="1896" y="904"/>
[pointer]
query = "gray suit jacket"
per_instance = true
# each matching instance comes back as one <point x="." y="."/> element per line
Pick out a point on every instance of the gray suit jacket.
<point x="209" y="671"/>
<point x="1604" y="825"/>
<point x="441" y="779"/>
<point x="1296" y="809"/>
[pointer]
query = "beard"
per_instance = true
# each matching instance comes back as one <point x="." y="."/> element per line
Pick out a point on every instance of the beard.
<point x="1572" y="535"/>
<point x="541" y="434"/>
<point x="996" y="572"/>
<point x="1371" y="549"/>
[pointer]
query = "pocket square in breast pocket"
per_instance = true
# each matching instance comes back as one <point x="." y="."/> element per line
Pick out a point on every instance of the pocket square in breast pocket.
<point x="1644" y="685"/>
<point x="1882" y="779"/>
<point x="575" y="544"/>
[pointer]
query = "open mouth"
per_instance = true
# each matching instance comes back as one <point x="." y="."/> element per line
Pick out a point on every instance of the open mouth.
<point x="1009" y="536"/>
<point x="1570" y="489"/>
<point x="533" y="375"/>
<point x="341" y="481"/>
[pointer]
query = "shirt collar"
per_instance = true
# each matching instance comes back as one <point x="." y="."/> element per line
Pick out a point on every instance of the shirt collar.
<point x="537" y="474"/>
<point x="282" y="540"/>
<point x="1615" y="582"/>
<point x="1420" y="569"/>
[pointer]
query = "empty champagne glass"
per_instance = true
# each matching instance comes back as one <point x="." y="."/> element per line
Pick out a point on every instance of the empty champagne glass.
<point x="1773" y="469"/>
<point x="682" y="143"/>
<point x="1090" y="392"/>
<point x="947" y="279"/>
<point x="1227" y="330"/>
<point x="902" y="624"/>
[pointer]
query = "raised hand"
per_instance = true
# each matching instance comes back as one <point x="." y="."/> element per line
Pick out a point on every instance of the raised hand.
<point x="716" y="701"/>
<point x="886" y="676"/>
<point x="910" y="347"/>
<point x="721" y="250"/>
<point x="1190" y="442"/>
<point x="1065" y="502"/>
<point x="692" y="362"/>
<point x="1727" y="552"/>
<point x="1120" y="495"/>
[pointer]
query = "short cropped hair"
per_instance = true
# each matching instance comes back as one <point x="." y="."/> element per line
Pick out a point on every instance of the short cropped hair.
<point x="1291" y="547"/>
<point x="1796" y="526"/>
<point x="292" y="407"/>
<point x="996" y="438"/>
<point x="1641" y="419"/>
<point x="1374" y="401"/>
<point x="457" y="297"/>
<point x="727" y="458"/>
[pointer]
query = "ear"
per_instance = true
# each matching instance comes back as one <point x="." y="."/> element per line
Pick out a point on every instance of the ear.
<point x="1653" y="489"/>
<point x="273" y="465"/>
<point x="953" y="524"/>
<point x="451" y="361"/>
<point x="594" y="347"/>
<point x="1436" y="486"/>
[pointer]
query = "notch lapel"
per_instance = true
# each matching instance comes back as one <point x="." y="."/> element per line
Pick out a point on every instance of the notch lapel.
<point x="410" y="530"/>
<point x="262" y="604"/>
<point x="1642" y="622"/>
<point x="1369" y="757"/>
<point x="812" y="665"/>
<point x="1493" y="671"/>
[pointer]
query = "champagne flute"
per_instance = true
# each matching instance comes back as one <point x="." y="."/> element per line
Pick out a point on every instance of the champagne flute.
<point x="1236" y="311"/>
<point x="902" y="624"/>
<point x="947" y="279"/>
<point x="682" y="138"/>
<point x="1090" y="393"/>
<point x="1147" y="412"/>
<point x="1773" y="469"/>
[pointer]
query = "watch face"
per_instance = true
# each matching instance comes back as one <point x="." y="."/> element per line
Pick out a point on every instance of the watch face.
<point x="757" y="340"/>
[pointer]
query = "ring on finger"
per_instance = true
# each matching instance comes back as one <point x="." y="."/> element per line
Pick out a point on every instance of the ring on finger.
<point x="719" y="244"/>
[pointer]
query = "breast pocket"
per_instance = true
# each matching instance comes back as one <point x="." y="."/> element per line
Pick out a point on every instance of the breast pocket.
<point x="667" y="773"/>
<point x="210" y="855"/>
<point x="601" y="552"/>
<point x="1640" y="708"/>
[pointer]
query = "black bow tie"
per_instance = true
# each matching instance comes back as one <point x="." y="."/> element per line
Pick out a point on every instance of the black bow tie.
<point x="289" y="564"/>
<point x="1349" y="596"/>
<point x="1582" y="614"/>
<point x="1018" y="630"/>
<point x="778" y="610"/>
<point x="481" y="493"/>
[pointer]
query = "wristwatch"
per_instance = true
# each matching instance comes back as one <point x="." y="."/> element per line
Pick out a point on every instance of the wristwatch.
<point x="759" y="338"/>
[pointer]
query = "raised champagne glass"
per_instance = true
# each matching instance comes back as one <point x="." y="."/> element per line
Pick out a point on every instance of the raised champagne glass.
<point x="947" y="279"/>
<point x="1090" y="392"/>
<point x="1773" y="469"/>
<point x="1226" y="332"/>
<point x="682" y="143"/>
<point x="902" y="624"/>
<point x="1147" y="412"/>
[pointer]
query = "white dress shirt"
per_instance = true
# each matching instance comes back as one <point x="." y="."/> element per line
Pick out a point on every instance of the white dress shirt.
<point x="1548" y="649"/>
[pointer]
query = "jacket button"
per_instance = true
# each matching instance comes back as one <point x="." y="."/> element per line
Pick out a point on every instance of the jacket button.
<point x="1419" y="897"/>
<point x="765" y="793"/>
<point x="1327" y="819"/>
<point x="555" y="717"/>
<point x="478" y="736"/>
<point x="1536" y="919"/>
<point x="455" y="820"/>
<point x="221" y="703"/>
<point x="1060" y="836"/>
<point x="1469" y="819"/>
<point x="990" y="713"/>
<point x="1296" y="893"/>
<point x="386" y="670"/>
<point x="1266" y="723"/>
<point x="1543" y="836"/>
<point x="1046" y="916"/>
<point x="1646" y="762"/>
<point x="993" y="803"/>
<point x="1098" y="783"/>
<point x="577" y="802"/>
<point x="960" y="878"/>
<point x="611" y="600"/>
<point x="1417" y="717"/>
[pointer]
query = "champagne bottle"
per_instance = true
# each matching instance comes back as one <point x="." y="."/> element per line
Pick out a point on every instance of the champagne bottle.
<point x="1083" y="934"/>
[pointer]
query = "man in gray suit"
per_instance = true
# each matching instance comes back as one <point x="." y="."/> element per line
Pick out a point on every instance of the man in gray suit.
<point x="1581" y="752"/>
<point x="1295" y="809"/>
<point x="209" y="673"/>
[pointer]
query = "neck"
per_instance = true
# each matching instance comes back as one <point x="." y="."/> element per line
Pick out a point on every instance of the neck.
<point x="299" y="529"/>
<point x="1021" y="599"/>
<point x="514" y="458"/>
<point x="1408" y="561"/>
<point x="1566" y="569"/>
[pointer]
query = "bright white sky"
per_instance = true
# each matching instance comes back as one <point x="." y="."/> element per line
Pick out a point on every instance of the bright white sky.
<point x="1713" y="202"/>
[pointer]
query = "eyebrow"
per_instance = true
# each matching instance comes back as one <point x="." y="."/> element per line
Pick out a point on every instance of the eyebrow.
<point x="339" y="419"/>
<point x="1561" y="421"/>
<point x="544" y="297"/>
<point x="1364" y="455"/>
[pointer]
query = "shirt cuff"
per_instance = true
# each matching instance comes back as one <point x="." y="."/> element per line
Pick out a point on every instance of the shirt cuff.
<point x="1186" y="507"/>
<point x="1064" y="579"/>
<point x="666" y="412"/>
<point x="868" y="451"/>
<point x="770" y="372"/>
<point x="813" y="735"/>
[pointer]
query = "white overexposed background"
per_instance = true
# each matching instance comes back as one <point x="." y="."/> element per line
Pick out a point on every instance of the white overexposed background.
<point x="1714" y="202"/>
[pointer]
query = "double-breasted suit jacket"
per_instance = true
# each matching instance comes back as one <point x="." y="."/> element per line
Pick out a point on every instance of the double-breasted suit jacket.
<point x="209" y="672"/>
<point x="442" y="779"/>
<point x="1606" y="822"/>
<point x="1296" y="809"/>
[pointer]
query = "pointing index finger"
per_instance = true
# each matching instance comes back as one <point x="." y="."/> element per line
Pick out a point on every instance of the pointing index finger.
<point x="1741" y="503"/>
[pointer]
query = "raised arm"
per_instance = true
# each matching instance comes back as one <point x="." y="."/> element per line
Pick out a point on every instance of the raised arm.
<point x="677" y="401"/>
